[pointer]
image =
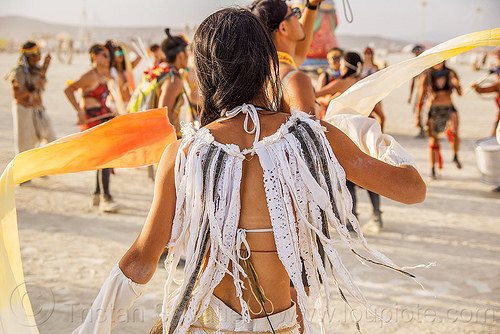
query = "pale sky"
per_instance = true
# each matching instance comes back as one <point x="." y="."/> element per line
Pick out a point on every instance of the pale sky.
<point x="406" y="20"/>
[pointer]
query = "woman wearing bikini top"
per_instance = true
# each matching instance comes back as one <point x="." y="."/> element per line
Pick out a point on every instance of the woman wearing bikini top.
<point x="244" y="198"/>
<point x="92" y="111"/>
<point x="438" y="84"/>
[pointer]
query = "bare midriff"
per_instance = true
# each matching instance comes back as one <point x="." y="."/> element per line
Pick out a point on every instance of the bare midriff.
<point x="254" y="214"/>
<point x="440" y="98"/>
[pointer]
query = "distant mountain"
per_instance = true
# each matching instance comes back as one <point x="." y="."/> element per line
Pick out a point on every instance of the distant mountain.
<point x="20" y="29"/>
<point x="358" y="43"/>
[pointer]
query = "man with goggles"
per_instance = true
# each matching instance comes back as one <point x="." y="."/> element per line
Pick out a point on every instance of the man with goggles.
<point x="291" y="31"/>
<point x="32" y="125"/>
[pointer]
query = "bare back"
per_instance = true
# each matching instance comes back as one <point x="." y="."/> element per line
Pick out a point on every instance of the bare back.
<point x="254" y="214"/>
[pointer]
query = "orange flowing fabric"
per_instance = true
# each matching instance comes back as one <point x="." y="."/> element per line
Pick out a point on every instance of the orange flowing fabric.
<point x="130" y="140"/>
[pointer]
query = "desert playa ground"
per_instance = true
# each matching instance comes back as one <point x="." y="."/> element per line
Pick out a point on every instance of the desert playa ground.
<point x="68" y="248"/>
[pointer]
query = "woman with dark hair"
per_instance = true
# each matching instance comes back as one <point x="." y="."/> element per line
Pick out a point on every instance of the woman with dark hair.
<point x="176" y="53"/>
<point x="245" y="199"/>
<point x="92" y="111"/>
<point x="121" y="74"/>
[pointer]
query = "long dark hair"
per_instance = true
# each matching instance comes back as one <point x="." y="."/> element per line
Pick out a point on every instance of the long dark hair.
<point x="235" y="60"/>
<point x="115" y="61"/>
<point x="270" y="12"/>
<point x="95" y="50"/>
<point x="353" y="63"/>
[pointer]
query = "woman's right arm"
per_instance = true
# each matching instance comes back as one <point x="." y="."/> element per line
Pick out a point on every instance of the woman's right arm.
<point x="81" y="83"/>
<point x="321" y="81"/>
<point x="331" y="88"/>
<point x="140" y="261"/>
<point x="403" y="183"/>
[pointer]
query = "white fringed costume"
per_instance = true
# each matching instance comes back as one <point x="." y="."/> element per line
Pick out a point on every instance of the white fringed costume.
<point x="306" y="196"/>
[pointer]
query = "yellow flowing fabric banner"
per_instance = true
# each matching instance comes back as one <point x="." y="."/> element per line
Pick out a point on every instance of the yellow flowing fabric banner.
<point x="366" y="93"/>
<point x="130" y="140"/>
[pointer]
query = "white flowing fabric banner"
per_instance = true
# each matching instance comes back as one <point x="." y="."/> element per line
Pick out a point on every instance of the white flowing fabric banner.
<point x="347" y="111"/>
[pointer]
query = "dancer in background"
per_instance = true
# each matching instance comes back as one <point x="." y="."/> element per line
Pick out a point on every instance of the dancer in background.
<point x="368" y="68"/>
<point x="333" y="72"/>
<point x="120" y="72"/>
<point x="32" y="125"/>
<point x="492" y="88"/>
<point x="93" y="111"/>
<point x="437" y="85"/>
<point x="176" y="53"/>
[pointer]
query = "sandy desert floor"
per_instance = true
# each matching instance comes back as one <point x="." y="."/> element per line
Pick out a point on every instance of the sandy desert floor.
<point x="68" y="248"/>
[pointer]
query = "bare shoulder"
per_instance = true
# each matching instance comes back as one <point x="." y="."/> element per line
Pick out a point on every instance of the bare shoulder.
<point x="298" y="79"/>
<point x="167" y="161"/>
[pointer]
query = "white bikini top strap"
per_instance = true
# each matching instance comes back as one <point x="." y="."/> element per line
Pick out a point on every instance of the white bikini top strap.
<point x="248" y="110"/>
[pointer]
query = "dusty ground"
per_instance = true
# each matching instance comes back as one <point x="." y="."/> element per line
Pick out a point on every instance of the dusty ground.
<point x="68" y="248"/>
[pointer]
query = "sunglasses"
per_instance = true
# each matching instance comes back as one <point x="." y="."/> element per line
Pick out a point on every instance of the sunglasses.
<point x="295" y="12"/>
<point x="118" y="53"/>
<point x="336" y="58"/>
<point x="105" y="55"/>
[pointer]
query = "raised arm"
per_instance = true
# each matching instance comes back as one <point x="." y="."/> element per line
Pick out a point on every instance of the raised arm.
<point x="403" y="184"/>
<point x="140" y="261"/>
<point x="136" y="61"/>
<point x="308" y="19"/>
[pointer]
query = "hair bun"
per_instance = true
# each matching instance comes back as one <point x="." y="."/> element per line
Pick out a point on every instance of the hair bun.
<point x="167" y="32"/>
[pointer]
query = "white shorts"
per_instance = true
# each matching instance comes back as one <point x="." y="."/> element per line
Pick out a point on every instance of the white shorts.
<point x="219" y="318"/>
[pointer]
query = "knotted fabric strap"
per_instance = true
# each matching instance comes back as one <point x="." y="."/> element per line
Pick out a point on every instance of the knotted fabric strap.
<point x="248" y="110"/>
<point x="241" y="238"/>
